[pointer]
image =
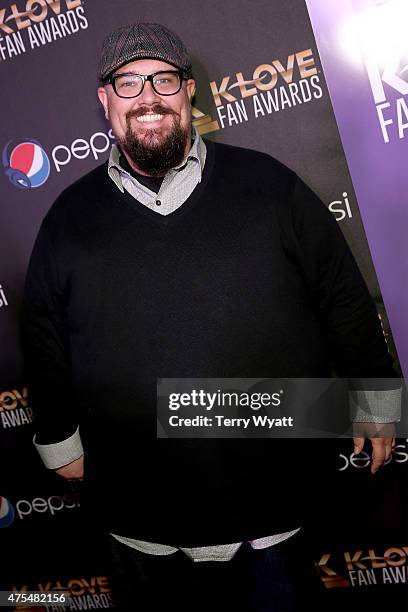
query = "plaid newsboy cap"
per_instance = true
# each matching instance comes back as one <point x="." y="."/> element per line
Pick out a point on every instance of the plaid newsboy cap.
<point x="143" y="41"/>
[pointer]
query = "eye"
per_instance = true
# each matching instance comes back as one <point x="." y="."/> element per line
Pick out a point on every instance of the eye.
<point x="128" y="82"/>
<point x="164" y="80"/>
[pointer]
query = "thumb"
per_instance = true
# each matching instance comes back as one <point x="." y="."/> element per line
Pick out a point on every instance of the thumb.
<point x="358" y="445"/>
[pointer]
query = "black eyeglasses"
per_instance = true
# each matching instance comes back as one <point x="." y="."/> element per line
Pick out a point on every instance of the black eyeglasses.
<point x="130" y="85"/>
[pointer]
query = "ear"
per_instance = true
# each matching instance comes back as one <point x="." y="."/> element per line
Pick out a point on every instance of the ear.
<point x="103" y="98"/>
<point x="191" y="87"/>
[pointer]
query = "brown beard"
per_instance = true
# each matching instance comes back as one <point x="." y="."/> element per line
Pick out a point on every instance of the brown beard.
<point x="151" y="155"/>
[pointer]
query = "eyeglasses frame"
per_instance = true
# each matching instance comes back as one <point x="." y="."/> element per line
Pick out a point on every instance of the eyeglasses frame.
<point x="145" y="77"/>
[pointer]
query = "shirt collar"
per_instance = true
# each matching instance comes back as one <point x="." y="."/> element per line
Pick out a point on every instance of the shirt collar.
<point x="197" y="154"/>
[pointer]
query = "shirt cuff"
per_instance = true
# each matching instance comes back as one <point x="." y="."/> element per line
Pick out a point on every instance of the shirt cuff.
<point x="375" y="406"/>
<point x="59" y="454"/>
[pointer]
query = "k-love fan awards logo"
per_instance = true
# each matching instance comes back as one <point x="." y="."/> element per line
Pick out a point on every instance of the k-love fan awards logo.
<point x="363" y="568"/>
<point x="84" y="593"/>
<point x="378" y="36"/>
<point x="30" y="25"/>
<point x="386" y="84"/>
<point x="272" y="87"/>
<point x="14" y="408"/>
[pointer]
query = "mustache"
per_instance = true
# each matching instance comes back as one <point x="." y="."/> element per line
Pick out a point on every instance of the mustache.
<point x="156" y="109"/>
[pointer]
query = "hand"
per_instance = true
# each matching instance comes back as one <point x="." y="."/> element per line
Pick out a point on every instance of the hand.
<point x="73" y="470"/>
<point x="382" y="437"/>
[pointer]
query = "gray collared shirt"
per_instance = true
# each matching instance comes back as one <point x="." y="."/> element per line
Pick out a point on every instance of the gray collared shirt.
<point x="178" y="184"/>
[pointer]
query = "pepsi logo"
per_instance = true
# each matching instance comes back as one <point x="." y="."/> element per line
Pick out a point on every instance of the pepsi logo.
<point x="26" y="164"/>
<point x="6" y="512"/>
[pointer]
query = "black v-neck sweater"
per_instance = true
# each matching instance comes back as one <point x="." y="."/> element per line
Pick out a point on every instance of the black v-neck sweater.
<point x="250" y="277"/>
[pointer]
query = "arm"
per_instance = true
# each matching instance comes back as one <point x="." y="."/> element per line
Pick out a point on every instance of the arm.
<point x="374" y="414"/>
<point x="66" y="457"/>
<point x="347" y="313"/>
<point x="47" y="363"/>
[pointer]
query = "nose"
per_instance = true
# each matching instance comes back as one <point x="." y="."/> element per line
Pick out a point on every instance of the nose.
<point x="148" y="95"/>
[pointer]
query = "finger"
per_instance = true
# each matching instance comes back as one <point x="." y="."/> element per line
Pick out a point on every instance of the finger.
<point x="388" y="448"/>
<point x="378" y="454"/>
<point x="358" y="445"/>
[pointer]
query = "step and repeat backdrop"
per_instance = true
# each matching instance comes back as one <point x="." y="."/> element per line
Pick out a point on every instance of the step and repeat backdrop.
<point x="323" y="87"/>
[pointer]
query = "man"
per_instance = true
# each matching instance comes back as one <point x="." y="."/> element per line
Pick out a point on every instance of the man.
<point x="183" y="258"/>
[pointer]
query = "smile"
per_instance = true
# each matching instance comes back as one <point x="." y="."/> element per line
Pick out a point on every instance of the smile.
<point x="149" y="118"/>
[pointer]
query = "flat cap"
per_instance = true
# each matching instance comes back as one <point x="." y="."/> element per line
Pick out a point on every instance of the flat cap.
<point x="143" y="41"/>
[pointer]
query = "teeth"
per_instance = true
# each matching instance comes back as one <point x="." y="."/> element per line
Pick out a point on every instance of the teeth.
<point x="149" y="117"/>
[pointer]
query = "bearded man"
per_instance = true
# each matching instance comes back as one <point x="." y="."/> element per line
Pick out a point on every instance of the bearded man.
<point x="184" y="258"/>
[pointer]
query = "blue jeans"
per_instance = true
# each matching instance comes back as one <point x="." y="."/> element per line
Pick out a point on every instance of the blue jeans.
<point x="280" y="577"/>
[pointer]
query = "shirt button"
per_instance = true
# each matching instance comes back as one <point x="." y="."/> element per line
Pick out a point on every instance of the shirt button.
<point x="158" y="203"/>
